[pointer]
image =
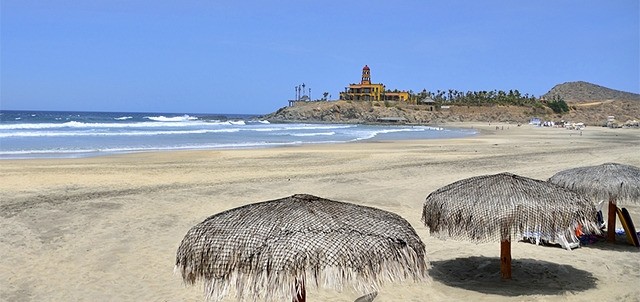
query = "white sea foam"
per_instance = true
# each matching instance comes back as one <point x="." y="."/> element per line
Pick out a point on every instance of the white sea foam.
<point x="115" y="134"/>
<point x="313" y="134"/>
<point x="365" y="135"/>
<point x="74" y="124"/>
<point x="163" y="118"/>
<point x="293" y="127"/>
<point x="47" y="151"/>
<point x="157" y="124"/>
<point x="220" y="123"/>
<point x="85" y="152"/>
<point x="122" y="133"/>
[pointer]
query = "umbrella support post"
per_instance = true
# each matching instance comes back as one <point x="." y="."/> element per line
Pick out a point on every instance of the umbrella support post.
<point x="611" y="221"/>
<point x="505" y="259"/>
<point x="300" y="294"/>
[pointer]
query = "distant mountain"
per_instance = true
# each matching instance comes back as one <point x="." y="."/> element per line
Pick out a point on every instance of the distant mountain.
<point x="580" y="92"/>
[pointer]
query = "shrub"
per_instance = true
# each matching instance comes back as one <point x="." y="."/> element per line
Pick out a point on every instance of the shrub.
<point x="557" y="104"/>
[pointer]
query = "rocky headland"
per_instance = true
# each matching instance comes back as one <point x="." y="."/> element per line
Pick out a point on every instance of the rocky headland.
<point x="589" y="103"/>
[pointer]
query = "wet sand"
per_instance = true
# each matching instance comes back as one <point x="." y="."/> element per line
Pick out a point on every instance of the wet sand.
<point x="107" y="228"/>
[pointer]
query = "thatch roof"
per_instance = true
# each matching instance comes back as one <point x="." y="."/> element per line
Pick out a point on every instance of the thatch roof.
<point x="262" y="248"/>
<point x="602" y="182"/>
<point x="491" y="207"/>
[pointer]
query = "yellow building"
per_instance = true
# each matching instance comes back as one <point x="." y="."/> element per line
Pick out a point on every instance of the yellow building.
<point x="366" y="91"/>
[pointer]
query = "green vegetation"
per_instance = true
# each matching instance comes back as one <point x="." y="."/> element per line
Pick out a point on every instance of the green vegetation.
<point x="481" y="98"/>
<point x="558" y="105"/>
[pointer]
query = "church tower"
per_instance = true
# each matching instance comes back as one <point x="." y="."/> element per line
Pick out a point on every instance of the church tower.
<point x="366" y="75"/>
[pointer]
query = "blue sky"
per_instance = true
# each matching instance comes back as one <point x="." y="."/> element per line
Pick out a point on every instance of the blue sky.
<point x="247" y="56"/>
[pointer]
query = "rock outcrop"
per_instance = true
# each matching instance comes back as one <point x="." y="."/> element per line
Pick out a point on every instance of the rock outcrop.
<point x="590" y="104"/>
<point x="390" y="112"/>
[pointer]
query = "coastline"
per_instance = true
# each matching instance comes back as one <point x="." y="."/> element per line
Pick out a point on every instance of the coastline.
<point x="106" y="228"/>
<point x="341" y="111"/>
<point x="62" y="134"/>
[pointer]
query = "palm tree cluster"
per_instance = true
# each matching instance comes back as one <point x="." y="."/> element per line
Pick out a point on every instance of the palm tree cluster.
<point x="481" y="98"/>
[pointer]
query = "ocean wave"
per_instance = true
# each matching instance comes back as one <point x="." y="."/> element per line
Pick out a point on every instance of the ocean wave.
<point x="400" y="130"/>
<point x="163" y="118"/>
<point x="319" y="127"/>
<point x="114" y="134"/>
<point x="74" y="124"/>
<point x="46" y="151"/>
<point x="17" y="154"/>
<point x="184" y="123"/>
<point x="365" y="135"/>
<point x="313" y="134"/>
<point x="117" y="134"/>
<point x="293" y="127"/>
<point x="38" y="125"/>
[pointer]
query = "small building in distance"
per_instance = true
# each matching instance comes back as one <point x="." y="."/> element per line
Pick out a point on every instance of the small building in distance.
<point x="367" y="91"/>
<point x="301" y="95"/>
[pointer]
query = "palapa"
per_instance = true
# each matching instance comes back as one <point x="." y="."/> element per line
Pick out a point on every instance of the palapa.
<point x="271" y="250"/>
<point x="491" y="207"/>
<point x="610" y="181"/>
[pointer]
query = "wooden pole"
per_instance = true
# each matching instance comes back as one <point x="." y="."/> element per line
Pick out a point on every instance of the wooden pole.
<point x="611" y="221"/>
<point x="300" y="295"/>
<point x="505" y="259"/>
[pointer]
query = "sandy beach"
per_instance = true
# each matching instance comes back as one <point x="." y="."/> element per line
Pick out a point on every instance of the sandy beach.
<point x="107" y="228"/>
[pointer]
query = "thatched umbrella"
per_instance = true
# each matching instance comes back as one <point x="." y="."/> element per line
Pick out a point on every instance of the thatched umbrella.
<point x="610" y="181"/>
<point x="492" y="207"/>
<point x="271" y="250"/>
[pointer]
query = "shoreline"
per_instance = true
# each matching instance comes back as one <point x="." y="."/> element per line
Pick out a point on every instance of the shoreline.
<point x="378" y="135"/>
<point x="107" y="228"/>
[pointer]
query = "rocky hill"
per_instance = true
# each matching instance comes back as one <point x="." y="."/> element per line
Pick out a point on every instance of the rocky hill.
<point x="590" y="104"/>
<point x="389" y="112"/>
<point x="580" y="92"/>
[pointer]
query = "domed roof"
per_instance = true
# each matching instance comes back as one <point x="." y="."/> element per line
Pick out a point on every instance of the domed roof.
<point x="365" y="67"/>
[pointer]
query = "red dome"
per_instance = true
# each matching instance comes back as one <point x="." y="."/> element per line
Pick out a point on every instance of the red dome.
<point x="365" y="67"/>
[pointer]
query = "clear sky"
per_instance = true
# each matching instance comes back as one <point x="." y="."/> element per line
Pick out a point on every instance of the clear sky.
<point x="247" y="56"/>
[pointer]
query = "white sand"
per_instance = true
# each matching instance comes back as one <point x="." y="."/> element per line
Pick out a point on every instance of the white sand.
<point x="107" y="228"/>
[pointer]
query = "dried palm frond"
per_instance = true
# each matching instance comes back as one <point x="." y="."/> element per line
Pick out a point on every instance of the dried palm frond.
<point x="491" y="207"/>
<point x="264" y="249"/>
<point x="602" y="182"/>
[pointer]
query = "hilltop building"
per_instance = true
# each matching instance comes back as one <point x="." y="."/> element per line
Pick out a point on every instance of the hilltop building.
<point x="301" y="95"/>
<point x="367" y="91"/>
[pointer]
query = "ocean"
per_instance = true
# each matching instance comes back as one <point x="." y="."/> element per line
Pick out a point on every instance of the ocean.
<point x="59" y="134"/>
